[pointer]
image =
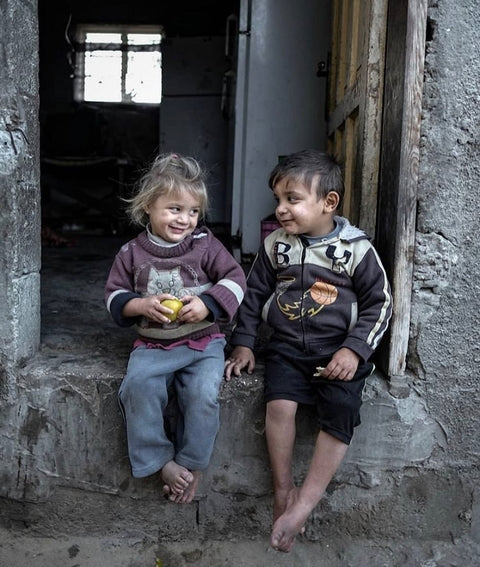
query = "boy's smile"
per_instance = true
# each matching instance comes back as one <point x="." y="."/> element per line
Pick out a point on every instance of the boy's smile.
<point x="299" y="211"/>
<point x="174" y="217"/>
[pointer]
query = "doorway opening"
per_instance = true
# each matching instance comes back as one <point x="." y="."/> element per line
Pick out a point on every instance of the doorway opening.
<point x="93" y="151"/>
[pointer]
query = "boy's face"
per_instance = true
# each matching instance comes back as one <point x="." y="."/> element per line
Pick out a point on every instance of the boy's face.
<point x="174" y="217"/>
<point x="300" y="212"/>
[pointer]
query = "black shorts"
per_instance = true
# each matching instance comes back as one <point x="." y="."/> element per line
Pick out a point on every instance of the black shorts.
<point x="289" y="376"/>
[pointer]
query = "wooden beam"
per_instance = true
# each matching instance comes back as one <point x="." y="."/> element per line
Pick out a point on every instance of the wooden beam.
<point x="344" y="108"/>
<point x="400" y="160"/>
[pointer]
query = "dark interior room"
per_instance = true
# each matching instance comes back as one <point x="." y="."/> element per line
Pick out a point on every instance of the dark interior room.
<point x="93" y="151"/>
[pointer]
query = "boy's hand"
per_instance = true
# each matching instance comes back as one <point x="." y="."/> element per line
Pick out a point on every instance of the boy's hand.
<point x="343" y="365"/>
<point x="193" y="311"/>
<point x="240" y="358"/>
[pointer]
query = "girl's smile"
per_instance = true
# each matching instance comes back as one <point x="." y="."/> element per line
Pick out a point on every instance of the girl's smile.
<point x="174" y="217"/>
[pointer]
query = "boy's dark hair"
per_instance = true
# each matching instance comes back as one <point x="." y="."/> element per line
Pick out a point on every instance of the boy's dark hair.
<point x="311" y="167"/>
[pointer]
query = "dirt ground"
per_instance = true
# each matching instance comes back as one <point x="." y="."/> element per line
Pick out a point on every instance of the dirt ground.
<point x="20" y="549"/>
<point x="87" y="264"/>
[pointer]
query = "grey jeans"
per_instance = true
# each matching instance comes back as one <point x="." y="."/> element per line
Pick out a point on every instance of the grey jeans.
<point x="143" y="395"/>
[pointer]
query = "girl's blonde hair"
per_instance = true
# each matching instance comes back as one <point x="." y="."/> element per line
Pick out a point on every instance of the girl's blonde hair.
<point x="169" y="174"/>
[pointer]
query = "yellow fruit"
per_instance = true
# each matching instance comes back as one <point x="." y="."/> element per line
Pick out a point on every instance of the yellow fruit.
<point x="175" y="305"/>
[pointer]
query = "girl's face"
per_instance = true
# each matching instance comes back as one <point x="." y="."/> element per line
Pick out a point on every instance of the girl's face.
<point x="173" y="217"/>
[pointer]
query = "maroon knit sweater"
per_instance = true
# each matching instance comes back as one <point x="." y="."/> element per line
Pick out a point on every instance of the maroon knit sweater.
<point x="199" y="265"/>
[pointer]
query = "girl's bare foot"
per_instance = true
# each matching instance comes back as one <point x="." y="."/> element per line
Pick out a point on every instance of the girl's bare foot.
<point x="190" y="491"/>
<point x="176" y="478"/>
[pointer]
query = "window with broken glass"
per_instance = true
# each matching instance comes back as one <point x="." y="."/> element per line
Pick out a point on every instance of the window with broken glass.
<point x="118" y="64"/>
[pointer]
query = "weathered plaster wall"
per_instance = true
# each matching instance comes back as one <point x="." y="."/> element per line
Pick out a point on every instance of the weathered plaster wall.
<point x="444" y="349"/>
<point x="19" y="188"/>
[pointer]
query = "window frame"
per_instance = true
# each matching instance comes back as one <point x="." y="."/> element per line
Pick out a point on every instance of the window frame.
<point x="80" y="48"/>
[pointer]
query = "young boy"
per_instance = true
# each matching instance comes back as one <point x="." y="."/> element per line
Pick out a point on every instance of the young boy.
<point x="175" y="281"/>
<point x="319" y="284"/>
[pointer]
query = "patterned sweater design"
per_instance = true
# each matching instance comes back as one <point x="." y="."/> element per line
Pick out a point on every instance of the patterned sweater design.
<point x="199" y="265"/>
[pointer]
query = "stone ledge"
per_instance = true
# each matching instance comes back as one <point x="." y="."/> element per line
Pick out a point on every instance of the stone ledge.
<point x="63" y="442"/>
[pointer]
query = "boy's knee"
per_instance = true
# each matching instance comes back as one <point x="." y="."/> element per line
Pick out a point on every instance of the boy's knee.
<point x="281" y="409"/>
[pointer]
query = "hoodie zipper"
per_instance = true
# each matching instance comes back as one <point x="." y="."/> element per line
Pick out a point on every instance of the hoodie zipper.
<point x="302" y="321"/>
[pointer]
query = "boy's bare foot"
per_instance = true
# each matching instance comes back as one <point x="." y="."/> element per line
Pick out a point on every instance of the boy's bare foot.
<point x="290" y="523"/>
<point x="280" y="502"/>
<point x="283" y="499"/>
<point x="176" y="478"/>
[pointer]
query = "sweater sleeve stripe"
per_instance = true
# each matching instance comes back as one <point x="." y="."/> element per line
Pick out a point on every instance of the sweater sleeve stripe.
<point x="233" y="287"/>
<point x="380" y="327"/>
<point x="114" y="294"/>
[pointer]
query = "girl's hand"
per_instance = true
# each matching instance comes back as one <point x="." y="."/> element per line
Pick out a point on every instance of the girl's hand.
<point x="150" y="307"/>
<point x="193" y="311"/>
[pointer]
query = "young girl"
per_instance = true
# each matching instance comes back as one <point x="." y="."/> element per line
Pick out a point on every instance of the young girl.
<point x="173" y="259"/>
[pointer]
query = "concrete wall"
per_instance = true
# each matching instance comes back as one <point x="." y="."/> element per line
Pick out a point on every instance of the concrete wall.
<point x="412" y="469"/>
<point x="444" y="356"/>
<point x="19" y="189"/>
